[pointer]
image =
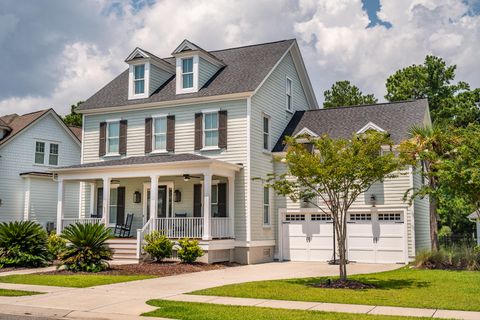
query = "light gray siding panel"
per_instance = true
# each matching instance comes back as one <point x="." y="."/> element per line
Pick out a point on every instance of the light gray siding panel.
<point x="422" y="218"/>
<point x="157" y="78"/>
<point x="17" y="156"/>
<point x="270" y="100"/>
<point x="236" y="151"/>
<point x="206" y="70"/>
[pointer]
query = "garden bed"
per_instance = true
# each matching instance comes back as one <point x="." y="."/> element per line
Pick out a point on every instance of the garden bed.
<point x="159" y="269"/>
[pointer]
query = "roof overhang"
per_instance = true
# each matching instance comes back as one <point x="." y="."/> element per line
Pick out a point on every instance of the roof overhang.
<point x="141" y="56"/>
<point x="188" y="48"/>
<point x="36" y="174"/>
<point x="213" y="166"/>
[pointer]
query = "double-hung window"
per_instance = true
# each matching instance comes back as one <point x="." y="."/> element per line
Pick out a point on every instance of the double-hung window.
<point x="139" y="78"/>
<point x="288" y="91"/>
<point x="40" y="152"/>
<point x="160" y="133"/>
<point x="266" y="133"/>
<point x="53" y="154"/>
<point x="266" y="206"/>
<point x="113" y="137"/>
<point x="210" y="131"/>
<point x="187" y="73"/>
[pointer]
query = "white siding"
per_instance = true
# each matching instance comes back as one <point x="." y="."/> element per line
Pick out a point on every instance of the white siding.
<point x="270" y="100"/>
<point x="184" y="141"/>
<point x="206" y="70"/>
<point x="17" y="156"/>
<point x="422" y="217"/>
<point x="157" y="78"/>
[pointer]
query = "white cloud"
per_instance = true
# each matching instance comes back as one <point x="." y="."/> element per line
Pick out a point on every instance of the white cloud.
<point x="83" y="53"/>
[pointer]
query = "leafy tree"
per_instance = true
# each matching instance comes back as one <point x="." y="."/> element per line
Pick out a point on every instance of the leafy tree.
<point x="342" y="94"/>
<point x="426" y="150"/>
<point x="337" y="172"/>
<point x="74" y="118"/>
<point x="449" y="103"/>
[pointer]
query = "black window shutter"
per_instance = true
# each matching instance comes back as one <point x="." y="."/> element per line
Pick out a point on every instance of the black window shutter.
<point x="170" y="133"/>
<point x="222" y="200"/>
<point x="99" y="212"/>
<point x="148" y="135"/>
<point x="197" y="200"/>
<point x="222" y="129"/>
<point x="120" y="205"/>
<point x="122" y="149"/>
<point x="102" y="142"/>
<point x="198" y="131"/>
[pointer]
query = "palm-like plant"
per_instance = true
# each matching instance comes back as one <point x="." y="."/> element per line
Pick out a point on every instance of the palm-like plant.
<point x="86" y="248"/>
<point x="23" y="244"/>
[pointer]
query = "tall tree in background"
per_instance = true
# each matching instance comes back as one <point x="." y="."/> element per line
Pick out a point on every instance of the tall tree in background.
<point x="450" y="103"/>
<point x="343" y="94"/>
<point x="73" y="119"/>
<point x="336" y="173"/>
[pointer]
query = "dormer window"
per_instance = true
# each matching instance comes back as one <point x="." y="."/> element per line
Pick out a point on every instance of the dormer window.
<point x="139" y="78"/>
<point x="187" y="73"/>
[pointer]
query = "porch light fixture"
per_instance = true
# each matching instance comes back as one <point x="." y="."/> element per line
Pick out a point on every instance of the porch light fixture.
<point x="137" y="197"/>
<point x="373" y="200"/>
<point x="177" y="196"/>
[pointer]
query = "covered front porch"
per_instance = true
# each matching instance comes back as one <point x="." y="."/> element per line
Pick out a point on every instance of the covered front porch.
<point x="195" y="196"/>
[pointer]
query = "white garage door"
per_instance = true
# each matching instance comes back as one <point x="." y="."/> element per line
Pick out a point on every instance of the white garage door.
<point x="376" y="237"/>
<point x="307" y="237"/>
<point x="371" y="237"/>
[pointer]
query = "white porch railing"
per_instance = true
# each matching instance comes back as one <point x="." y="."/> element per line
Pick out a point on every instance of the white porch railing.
<point x="220" y="228"/>
<point x="69" y="221"/>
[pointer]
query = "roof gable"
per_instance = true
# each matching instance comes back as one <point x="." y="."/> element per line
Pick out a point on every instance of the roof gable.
<point x="370" y="126"/>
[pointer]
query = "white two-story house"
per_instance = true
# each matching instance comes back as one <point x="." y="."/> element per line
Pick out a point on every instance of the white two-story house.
<point x="196" y="127"/>
<point x="31" y="145"/>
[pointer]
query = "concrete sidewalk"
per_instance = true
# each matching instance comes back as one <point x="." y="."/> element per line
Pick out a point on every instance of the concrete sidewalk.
<point x="128" y="298"/>
<point x="331" y="307"/>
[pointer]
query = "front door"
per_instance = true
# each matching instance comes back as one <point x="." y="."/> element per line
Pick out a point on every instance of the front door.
<point x="164" y="202"/>
<point x="117" y="205"/>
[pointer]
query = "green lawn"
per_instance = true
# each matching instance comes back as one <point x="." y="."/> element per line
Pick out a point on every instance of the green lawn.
<point x="74" y="281"/>
<point x="405" y="287"/>
<point x="16" y="293"/>
<point x="202" y="311"/>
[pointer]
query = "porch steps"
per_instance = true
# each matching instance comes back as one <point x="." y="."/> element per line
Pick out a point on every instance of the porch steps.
<point x="124" y="250"/>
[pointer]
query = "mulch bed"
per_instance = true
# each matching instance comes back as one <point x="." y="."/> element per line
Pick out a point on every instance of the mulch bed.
<point x="343" y="284"/>
<point x="160" y="269"/>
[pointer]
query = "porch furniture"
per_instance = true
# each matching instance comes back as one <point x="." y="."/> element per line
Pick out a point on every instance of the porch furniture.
<point x="95" y="216"/>
<point x="180" y="215"/>
<point x="123" y="230"/>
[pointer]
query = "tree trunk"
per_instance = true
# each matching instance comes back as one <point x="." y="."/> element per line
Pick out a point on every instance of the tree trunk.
<point x="434" y="224"/>
<point x="341" y="235"/>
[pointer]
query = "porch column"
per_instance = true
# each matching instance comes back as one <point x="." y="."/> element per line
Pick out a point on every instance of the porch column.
<point x="154" y="200"/>
<point x="207" y="189"/>
<point x="231" y="205"/>
<point x="106" y="200"/>
<point x="60" y="213"/>
<point x="92" y="200"/>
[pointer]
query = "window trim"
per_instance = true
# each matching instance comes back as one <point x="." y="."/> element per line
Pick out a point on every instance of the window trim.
<point x="46" y="152"/>
<point x="135" y="80"/>
<point x="179" y="73"/>
<point x="155" y="118"/>
<point x="287" y="79"/>
<point x="54" y="154"/>
<point x="267" y="224"/>
<point x="131" y="81"/>
<point x="204" y="130"/>
<point x="35" y="152"/>
<point x="269" y="133"/>
<point x="107" y="138"/>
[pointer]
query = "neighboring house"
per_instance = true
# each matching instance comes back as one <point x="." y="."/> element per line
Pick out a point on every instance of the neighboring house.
<point x="197" y="127"/>
<point x="30" y="145"/>
<point x="475" y="217"/>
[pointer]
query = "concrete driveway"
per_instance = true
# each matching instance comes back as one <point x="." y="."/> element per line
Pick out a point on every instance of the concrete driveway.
<point x="128" y="298"/>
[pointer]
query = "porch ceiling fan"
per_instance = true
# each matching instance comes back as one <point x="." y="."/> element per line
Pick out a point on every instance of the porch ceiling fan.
<point x="187" y="177"/>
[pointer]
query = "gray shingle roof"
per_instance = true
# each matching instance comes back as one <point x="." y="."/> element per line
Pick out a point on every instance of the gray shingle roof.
<point x="245" y="69"/>
<point x="164" y="158"/>
<point x="395" y="117"/>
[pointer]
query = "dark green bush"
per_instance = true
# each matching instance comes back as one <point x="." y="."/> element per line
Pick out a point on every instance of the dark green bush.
<point x="158" y="246"/>
<point x="56" y="245"/>
<point x="86" y="249"/>
<point x="189" y="250"/>
<point x="457" y="257"/>
<point x="23" y="244"/>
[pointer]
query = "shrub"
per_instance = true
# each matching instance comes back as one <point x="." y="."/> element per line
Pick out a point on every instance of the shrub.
<point x="23" y="244"/>
<point x="462" y="257"/>
<point x="158" y="246"/>
<point x="56" y="245"/>
<point x="189" y="250"/>
<point x="86" y="248"/>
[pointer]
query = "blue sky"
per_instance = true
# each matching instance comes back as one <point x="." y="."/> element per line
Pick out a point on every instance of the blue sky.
<point x="58" y="52"/>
